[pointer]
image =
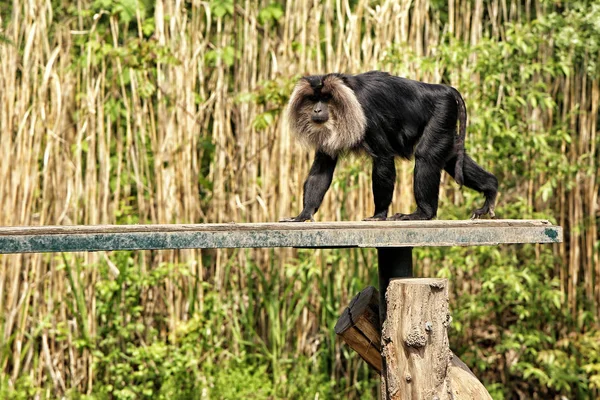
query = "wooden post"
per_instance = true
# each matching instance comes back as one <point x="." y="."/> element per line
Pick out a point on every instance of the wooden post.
<point x="419" y="362"/>
<point x="415" y="340"/>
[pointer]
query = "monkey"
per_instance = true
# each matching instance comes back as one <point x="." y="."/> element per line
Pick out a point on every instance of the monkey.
<point x="385" y="117"/>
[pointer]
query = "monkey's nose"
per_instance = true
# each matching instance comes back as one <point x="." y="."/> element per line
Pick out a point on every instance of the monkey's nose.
<point x="317" y="110"/>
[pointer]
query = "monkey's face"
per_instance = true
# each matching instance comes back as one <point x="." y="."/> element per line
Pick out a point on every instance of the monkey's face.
<point x="320" y="109"/>
<point x="325" y="114"/>
<point x="312" y="99"/>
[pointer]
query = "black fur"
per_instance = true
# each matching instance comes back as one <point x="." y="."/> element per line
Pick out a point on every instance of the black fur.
<point x="405" y="118"/>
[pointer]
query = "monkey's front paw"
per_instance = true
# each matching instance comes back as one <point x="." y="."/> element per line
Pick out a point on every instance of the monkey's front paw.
<point x="299" y="218"/>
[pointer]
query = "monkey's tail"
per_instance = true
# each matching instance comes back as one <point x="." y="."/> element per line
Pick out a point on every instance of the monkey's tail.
<point x="460" y="141"/>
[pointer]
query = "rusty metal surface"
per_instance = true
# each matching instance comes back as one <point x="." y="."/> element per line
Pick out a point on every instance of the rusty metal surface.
<point x="319" y="234"/>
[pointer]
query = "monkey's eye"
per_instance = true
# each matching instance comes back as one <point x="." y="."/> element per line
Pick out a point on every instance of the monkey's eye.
<point x="326" y="97"/>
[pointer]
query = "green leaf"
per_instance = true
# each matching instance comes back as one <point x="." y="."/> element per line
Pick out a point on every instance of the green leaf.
<point x="229" y="56"/>
<point x="271" y="13"/>
<point x="220" y="8"/>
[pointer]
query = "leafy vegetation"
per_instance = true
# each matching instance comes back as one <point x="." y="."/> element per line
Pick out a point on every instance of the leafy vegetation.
<point x="128" y="111"/>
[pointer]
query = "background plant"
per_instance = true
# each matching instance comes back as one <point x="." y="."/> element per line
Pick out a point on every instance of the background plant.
<point x="128" y="111"/>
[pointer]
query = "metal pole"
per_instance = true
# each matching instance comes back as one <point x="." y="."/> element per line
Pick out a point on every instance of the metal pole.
<point x="394" y="262"/>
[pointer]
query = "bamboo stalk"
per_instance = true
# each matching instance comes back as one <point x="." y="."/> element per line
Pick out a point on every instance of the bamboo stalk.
<point x="82" y="142"/>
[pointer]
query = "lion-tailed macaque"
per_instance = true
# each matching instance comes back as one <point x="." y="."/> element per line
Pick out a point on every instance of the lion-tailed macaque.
<point x="385" y="116"/>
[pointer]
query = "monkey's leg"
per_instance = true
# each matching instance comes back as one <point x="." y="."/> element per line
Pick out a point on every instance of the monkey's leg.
<point x="426" y="187"/>
<point x="431" y="152"/>
<point x="478" y="179"/>
<point x="383" y="180"/>
<point x="316" y="185"/>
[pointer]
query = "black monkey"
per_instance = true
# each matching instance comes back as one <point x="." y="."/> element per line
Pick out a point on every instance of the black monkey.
<point x="385" y="116"/>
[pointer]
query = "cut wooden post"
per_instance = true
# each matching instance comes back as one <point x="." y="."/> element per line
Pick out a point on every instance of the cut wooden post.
<point x="415" y="340"/>
<point x="359" y="328"/>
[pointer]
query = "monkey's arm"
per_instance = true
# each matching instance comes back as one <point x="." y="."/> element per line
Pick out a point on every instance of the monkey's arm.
<point x="384" y="179"/>
<point x="315" y="186"/>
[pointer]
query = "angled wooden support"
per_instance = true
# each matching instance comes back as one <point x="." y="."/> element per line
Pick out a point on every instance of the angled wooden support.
<point x="414" y="345"/>
<point x="359" y="327"/>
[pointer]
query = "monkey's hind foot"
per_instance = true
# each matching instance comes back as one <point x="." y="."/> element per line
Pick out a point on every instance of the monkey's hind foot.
<point x="299" y="218"/>
<point x="376" y="218"/>
<point x="480" y="212"/>
<point x="416" y="216"/>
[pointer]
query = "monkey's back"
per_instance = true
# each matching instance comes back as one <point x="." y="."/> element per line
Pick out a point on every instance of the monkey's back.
<point x="398" y="109"/>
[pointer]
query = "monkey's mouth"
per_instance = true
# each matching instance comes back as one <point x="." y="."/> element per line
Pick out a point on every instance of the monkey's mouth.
<point x="319" y="120"/>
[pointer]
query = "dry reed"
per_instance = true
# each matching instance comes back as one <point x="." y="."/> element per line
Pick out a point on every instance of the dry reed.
<point x="66" y="159"/>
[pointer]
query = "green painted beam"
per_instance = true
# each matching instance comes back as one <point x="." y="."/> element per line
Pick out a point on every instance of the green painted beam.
<point x="316" y="234"/>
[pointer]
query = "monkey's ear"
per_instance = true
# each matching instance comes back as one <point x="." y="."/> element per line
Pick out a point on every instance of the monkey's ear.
<point x="339" y="79"/>
<point x="303" y="87"/>
<point x="346" y="81"/>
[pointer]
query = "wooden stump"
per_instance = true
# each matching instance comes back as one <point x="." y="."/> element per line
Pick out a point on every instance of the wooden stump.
<point x="419" y="363"/>
<point x="415" y="340"/>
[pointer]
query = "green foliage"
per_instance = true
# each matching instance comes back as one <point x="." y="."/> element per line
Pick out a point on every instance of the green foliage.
<point x="270" y="14"/>
<point x="226" y="54"/>
<point x="134" y="360"/>
<point x="125" y="10"/>
<point x="272" y="95"/>
<point x="242" y="339"/>
<point x="577" y="34"/>
<point x="221" y="8"/>
<point x="513" y="323"/>
<point x="24" y="389"/>
<point x="5" y="40"/>
<point x="513" y="320"/>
